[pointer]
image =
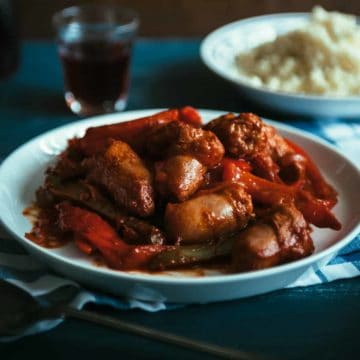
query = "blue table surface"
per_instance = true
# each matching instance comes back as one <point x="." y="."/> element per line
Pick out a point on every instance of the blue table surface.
<point x="314" y="322"/>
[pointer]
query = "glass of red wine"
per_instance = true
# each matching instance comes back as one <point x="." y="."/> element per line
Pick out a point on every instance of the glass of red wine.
<point x="94" y="44"/>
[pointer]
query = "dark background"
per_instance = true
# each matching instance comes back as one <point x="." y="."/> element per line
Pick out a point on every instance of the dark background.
<point x="172" y="18"/>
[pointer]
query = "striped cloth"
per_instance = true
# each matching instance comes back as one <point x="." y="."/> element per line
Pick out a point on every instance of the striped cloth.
<point x="21" y="269"/>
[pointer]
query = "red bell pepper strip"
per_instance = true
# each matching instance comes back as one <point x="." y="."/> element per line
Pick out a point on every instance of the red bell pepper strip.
<point x="316" y="211"/>
<point x="132" y="132"/>
<point x="232" y="168"/>
<point x="320" y="187"/>
<point x="91" y="228"/>
<point x="190" y="116"/>
<point x="84" y="246"/>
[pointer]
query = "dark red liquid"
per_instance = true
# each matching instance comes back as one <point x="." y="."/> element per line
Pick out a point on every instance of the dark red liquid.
<point x="96" y="71"/>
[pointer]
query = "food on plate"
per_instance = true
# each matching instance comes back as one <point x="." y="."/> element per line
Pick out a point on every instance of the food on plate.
<point x="169" y="192"/>
<point x="209" y="214"/>
<point x="320" y="58"/>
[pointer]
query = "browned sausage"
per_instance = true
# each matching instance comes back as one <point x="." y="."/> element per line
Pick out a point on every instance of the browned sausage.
<point x="281" y="236"/>
<point x="256" y="247"/>
<point x="247" y="136"/>
<point x="243" y="135"/>
<point x="125" y="176"/>
<point x="209" y="215"/>
<point x="179" y="177"/>
<point x="178" y="138"/>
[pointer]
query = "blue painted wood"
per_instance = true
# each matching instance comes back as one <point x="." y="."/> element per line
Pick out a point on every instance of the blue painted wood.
<point x="318" y="322"/>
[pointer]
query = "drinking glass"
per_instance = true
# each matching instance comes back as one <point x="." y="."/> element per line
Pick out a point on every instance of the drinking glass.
<point x="94" y="45"/>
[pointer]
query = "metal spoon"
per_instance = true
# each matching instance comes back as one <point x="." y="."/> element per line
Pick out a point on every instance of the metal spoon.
<point x="18" y="310"/>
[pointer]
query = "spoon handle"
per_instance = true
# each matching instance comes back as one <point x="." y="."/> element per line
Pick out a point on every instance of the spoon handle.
<point x="215" y="350"/>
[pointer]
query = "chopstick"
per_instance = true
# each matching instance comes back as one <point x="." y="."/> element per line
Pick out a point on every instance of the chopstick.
<point x="211" y="349"/>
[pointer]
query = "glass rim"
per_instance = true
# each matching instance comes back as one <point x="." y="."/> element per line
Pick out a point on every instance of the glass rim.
<point x="63" y="18"/>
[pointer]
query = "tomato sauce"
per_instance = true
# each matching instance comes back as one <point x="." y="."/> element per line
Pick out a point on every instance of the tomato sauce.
<point x="45" y="231"/>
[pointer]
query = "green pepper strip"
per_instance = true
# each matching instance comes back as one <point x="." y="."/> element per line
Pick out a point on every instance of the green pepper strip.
<point x="190" y="254"/>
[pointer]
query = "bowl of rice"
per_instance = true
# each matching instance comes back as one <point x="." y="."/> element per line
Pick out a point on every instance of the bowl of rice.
<point x="298" y="63"/>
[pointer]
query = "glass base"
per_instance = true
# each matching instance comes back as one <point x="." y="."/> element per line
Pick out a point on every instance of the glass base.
<point x="85" y="109"/>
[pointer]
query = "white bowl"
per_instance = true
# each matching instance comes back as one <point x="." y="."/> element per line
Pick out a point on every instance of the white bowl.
<point x="23" y="172"/>
<point x="220" y="48"/>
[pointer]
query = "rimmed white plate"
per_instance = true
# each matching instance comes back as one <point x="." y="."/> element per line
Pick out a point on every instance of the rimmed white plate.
<point x="220" y="48"/>
<point x="22" y="173"/>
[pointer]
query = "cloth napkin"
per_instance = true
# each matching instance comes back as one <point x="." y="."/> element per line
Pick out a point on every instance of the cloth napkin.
<point x="21" y="269"/>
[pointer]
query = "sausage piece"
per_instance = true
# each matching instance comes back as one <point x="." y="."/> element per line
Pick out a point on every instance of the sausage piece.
<point x="125" y="176"/>
<point x="178" y="138"/>
<point x="179" y="177"/>
<point x="247" y="136"/>
<point x="243" y="135"/>
<point x="281" y="236"/>
<point x="209" y="215"/>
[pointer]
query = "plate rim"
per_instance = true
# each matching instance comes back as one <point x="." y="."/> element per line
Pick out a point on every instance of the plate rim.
<point x="205" y="47"/>
<point x="172" y="280"/>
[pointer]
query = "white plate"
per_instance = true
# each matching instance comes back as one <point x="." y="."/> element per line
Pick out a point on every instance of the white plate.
<point x="219" y="49"/>
<point x="22" y="173"/>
